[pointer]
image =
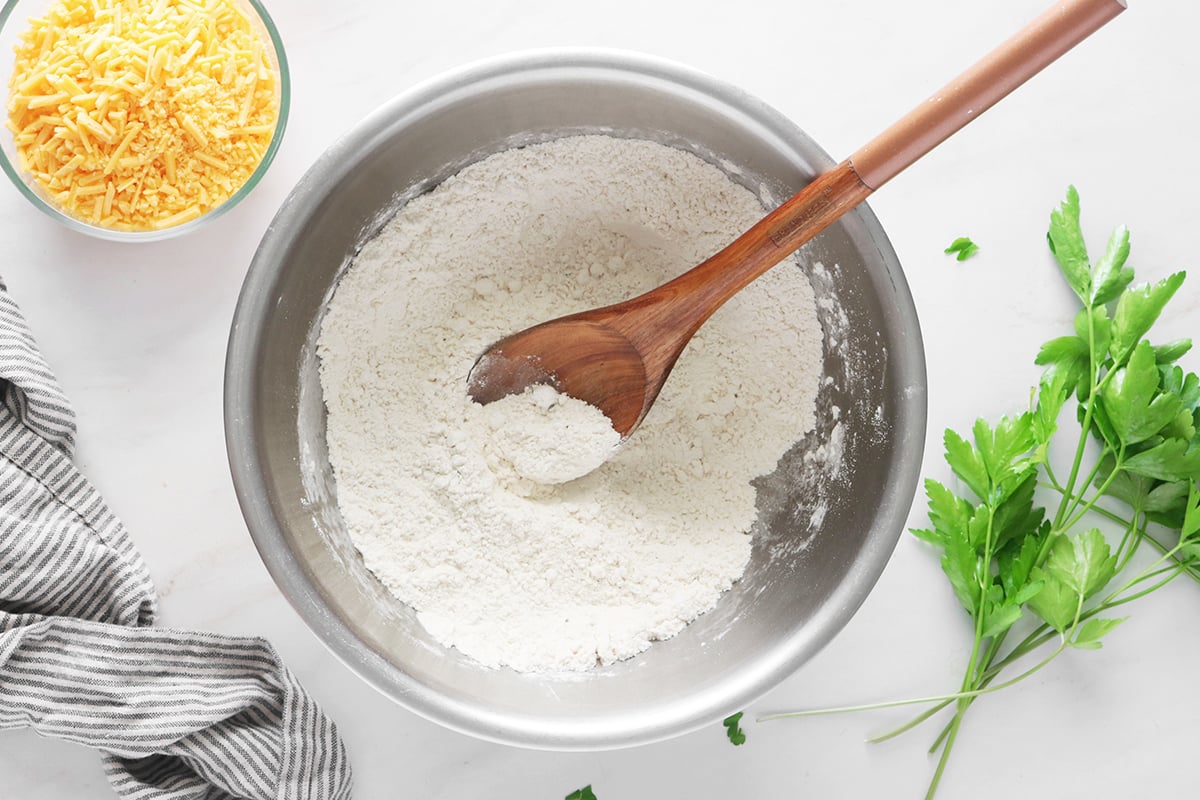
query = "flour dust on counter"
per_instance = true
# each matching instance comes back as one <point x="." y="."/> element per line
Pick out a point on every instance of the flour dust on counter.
<point x="509" y="568"/>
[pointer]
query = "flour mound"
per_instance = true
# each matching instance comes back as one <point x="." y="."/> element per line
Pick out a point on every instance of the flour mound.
<point x="546" y="437"/>
<point x="595" y="569"/>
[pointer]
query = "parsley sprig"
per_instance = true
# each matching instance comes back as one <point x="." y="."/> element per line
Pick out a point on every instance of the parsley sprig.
<point x="1015" y="535"/>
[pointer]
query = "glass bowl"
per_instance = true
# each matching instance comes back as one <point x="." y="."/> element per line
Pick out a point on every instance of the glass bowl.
<point x="15" y="19"/>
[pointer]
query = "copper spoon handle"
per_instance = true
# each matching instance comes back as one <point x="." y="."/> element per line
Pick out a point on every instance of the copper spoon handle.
<point x="832" y="194"/>
<point x="1022" y="56"/>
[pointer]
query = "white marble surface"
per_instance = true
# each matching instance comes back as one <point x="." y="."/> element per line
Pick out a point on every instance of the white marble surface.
<point x="137" y="336"/>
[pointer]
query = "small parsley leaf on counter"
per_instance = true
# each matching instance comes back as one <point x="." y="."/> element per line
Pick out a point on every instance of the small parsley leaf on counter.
<point x="963" y="248"/>
<point x="585" y="793"/>
<point x="733" y="730"/>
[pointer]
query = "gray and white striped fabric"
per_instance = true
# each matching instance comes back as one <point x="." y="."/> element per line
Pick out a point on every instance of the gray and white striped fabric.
<point x="177" y="715"/>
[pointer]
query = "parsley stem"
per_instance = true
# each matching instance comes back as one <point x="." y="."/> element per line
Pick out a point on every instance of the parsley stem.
<point x="964" y="699"/>
<point x="1085" y="425"/>
<point x="993" y="650"/>
<point x="1187" y="567"/>
<point x="1152" y="571"/>
<point x="1090" y="503"/>
<point x="941" y="737"/>
<point x="1051" y="477"/>
<point x="1068" y="492"/>
<point x="912" y="723"/>
<point x="1130" y="541"/>
<point x="945" y="757"/>
<point x="1079" y="499"/>
<point x="971" y="675"/>
<point x="942" y="701"/>
<point x="1036" y="638"/>
<point x="1085" y="428"/>
<point x="1174" y="570"/>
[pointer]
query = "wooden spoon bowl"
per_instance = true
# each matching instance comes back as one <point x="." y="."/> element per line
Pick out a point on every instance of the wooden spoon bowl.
<point x="580" y="356"/>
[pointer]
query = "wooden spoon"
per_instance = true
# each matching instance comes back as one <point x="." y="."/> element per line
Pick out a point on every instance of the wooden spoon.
<point x="617" y="358"/>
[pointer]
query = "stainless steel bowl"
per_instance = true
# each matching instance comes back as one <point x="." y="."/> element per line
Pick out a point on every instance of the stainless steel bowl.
<point x="826" y="527"/>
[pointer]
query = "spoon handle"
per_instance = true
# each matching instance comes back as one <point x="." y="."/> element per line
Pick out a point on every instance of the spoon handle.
<point x="1023" y="55"/>
<point x="832" y="194"/>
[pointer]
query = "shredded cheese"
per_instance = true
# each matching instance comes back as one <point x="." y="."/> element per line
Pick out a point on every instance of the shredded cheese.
<point x="141" y="116"/>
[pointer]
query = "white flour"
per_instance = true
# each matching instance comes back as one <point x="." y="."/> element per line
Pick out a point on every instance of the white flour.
<point x="545" y="437"/>
<point x="509" y="571"/>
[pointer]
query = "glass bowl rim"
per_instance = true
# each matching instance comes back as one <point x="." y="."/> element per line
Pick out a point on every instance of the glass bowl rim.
<point x="285" y="86"/>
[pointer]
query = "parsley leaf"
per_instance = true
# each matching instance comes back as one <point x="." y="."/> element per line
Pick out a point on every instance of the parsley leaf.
<point x="1052" y="393"/>
<point x="1005" y="449"/>
<point x="1110" y="275"/>
<point x="1089" y="634"/>
<point x="967" y="463"/>
<point x="1066" y="243"/>
<point x="1137" y="310"/>
<point x="1165" y="498"/>
<point x="585" y="793"/>
<point x="1015" y="566"/>
<point x="949" y="514"/>
<point x="1132" y="401"/>
<point x="1186" y="385"/>
<point x="1065" y="352"/>
<point x="1016" y="518"/>
<point x="962" y="248"/>
<point x="733" y="730"/>
<point x="1083" y="563"/>
<point x="961" y="566"/>
<point x="1055" y="603"/>
<point x="1000" y="617"/>
<point x="1169" y="460"/>
<point x="1191" y="520"/>
<point x="1172" y="351"/>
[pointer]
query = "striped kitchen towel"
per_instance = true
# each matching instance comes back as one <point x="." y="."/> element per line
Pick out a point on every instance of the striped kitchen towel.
<point x="177" y="715"/>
